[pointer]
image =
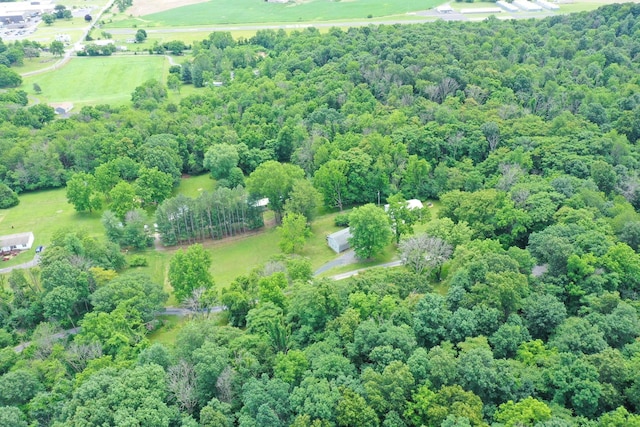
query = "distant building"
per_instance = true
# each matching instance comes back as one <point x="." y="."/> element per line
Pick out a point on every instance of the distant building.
<point x="16" y="242"/>
<point x="445" y="8"/>
<point x="26" y="8"/>
<point x="62" y="108"/>
<point x="277" y="1"/>
<point x="339" y="241"/>
<point x="411" y="205"/>
<point x="13" y="20"/>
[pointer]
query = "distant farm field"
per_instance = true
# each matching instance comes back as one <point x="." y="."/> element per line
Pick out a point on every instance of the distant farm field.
<point x="97" y="80"/>
<point x="259" y="11"/>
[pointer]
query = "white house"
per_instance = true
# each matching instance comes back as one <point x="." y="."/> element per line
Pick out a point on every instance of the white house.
<point x="16" y="242"/>
<point x="339" y="241"/>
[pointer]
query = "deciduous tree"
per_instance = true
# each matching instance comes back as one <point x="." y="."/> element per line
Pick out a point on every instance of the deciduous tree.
<point x="274" y="181"/>
<point x="189" y="271"/>
<point x="370" y="231"/>
<point x="293" y="233"/>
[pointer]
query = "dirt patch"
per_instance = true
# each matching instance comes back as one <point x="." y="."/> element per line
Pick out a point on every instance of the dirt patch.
<point x="146" y="7"/>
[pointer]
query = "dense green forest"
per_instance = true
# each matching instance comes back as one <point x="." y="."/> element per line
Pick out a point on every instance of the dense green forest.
<point x="526" y="131"/>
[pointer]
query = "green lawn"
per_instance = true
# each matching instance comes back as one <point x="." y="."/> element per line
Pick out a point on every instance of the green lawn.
<point x="252" y="11"/>
<point x="192" y="186"/>
<point x="44" y="212"/>
<point x="97" y="80"/>
<point x="166" y="334"/>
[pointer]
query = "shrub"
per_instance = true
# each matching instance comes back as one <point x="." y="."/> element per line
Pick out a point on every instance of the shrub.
<point x="341" y="220"/>
<point x="138" y="261"/>
<point x="8" y="197"/>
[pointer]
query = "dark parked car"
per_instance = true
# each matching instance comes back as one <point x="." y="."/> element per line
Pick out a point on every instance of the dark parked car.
<point x="39" y="249"/>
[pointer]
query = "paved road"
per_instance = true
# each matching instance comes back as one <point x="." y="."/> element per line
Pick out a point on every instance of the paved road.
<point x="349" y="257"/>
<point x="352" y="273"/>
<point x="58" y="336"/>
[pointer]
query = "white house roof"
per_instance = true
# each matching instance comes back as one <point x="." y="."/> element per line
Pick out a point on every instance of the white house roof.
<point x="261" y="203"/>
<point x="20" y="239"/>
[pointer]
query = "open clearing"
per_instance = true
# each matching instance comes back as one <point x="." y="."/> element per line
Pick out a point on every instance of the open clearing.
<point x="97" y="80"/>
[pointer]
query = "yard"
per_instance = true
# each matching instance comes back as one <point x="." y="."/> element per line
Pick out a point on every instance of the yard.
<point x="97" y="80"/>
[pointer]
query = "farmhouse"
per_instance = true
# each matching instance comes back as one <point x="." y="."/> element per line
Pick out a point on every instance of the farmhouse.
<point x="16" y="242"/>
<point x="339" y="241"/>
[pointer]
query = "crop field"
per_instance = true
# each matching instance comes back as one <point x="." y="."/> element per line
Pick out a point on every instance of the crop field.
<point x="259" y="11"/>
<point x="97" y="80"/>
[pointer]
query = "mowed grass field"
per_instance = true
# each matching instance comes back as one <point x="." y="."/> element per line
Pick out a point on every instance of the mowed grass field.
<point x="258" y="11"/>
<point x="97" y="80"/>
<point x="43" y="213"/>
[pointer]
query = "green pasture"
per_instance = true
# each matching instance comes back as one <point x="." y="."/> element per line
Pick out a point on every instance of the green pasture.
<point x="97" y="80"/>
<point x="32" y="64"/>
<point x="260" y="12"/>
<point x="43" y="213"/>
<point x="192" y="186"/>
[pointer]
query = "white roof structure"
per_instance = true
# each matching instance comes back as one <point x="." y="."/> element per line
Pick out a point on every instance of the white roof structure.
<point x="20" y="7"/>
<point x="20" y="241"/>
<point x="445" y="8"/>
<point x="482" y="10"/>
<point x="547" y="5"/>
<point x="507" y="6"/>
<point x="527" y="5"/>
<point x="262" y="203"/>
<point x="411" y="205"/>
<point x="339" y="241"/>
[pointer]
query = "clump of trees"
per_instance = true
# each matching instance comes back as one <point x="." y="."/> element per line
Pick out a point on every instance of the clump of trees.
<point x="8" y="197"/>
<point x="222" y="213"/>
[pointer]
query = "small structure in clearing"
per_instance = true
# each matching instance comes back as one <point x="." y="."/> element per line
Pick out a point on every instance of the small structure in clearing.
<point x="339" y="241"/>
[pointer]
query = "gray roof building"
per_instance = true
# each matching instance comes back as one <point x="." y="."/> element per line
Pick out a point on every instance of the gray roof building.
<point x="339" y="241"/>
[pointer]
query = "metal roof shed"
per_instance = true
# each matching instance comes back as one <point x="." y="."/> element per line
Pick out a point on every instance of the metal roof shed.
<point x="339" y="241"/>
